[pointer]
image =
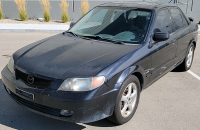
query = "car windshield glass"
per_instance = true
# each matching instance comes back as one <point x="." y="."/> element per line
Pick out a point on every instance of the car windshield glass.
<point x="119" y="24"/>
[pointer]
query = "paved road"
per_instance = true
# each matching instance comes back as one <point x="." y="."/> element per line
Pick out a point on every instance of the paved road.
<point x="171" y="103"/>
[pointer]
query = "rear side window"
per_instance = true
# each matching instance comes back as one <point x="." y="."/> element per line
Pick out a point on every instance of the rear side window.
<point x="177" y="18"/>
<point x="163" y="22"/>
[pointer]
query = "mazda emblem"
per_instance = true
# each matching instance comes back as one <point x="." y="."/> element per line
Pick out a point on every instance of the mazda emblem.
<point x="30" y="80"/>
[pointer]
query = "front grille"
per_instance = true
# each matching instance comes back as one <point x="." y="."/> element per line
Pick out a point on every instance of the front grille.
<point x="38" y="82"/>
<point x="35" y="106"/>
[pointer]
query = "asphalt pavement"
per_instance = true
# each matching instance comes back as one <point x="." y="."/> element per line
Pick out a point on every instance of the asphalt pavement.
<point x="171" y="103"/>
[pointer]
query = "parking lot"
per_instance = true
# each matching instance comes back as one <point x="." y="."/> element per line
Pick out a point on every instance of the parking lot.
<point x="172" y="103"/>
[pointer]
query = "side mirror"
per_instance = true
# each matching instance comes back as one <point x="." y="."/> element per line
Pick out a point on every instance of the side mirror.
<point x="160" y="36"/>
<point x="191" y="19"/>
<point x="72" y="24"/>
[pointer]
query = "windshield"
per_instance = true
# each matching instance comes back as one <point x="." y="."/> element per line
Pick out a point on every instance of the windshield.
<point x="119" y="24"/>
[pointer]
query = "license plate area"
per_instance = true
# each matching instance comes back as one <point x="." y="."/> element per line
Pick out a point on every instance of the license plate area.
<point x="25" y="94"/>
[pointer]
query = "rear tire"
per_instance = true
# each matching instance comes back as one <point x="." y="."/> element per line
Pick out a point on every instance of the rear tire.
<point x="187" y="63"/>
<point x="127" y="101"/>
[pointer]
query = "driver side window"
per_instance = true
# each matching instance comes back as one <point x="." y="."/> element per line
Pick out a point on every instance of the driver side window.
<point x="163" y="22"/>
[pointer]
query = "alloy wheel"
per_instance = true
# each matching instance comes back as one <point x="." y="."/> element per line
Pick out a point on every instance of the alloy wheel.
<point x="189" y="57"/>
<point x="128" y="100"/>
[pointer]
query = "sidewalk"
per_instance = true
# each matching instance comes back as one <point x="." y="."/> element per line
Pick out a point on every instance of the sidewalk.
<point x="9" y="27"/>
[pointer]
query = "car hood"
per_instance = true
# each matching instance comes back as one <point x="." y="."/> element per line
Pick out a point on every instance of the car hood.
<point x="63" y="56"/>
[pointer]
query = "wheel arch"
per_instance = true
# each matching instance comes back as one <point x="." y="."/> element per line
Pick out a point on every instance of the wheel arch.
<point x="194" y="42"/>
<point x="133" y="70"/>
<point x="140" y="78"/>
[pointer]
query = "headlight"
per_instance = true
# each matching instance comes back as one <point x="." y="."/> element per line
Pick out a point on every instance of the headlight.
<point x="11" y="65"/>
<point x="82" y="84"/>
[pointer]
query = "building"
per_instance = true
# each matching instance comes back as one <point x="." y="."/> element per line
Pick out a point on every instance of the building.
<point x="34" y="11"/>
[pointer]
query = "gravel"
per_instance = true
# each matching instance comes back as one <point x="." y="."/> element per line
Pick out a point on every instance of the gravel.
<point x="16" y="21"/>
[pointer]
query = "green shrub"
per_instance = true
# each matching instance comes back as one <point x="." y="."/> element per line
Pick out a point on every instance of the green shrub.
<point x="46" y="16"/>
<point x="45" y="4"/>
<point x="23" y="16"/>
<point x="21" y="4"/>
<point x="64" y="5"/>
<point x="1" y="14"/>
<point x="199" y="22"/>
<point x="65" y="17"/>
<point x="85" y="5"/>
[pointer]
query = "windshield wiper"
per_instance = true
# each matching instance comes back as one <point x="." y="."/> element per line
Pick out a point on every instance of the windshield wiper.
<point x="96" y="37"/>
<point x="71" y="33"/>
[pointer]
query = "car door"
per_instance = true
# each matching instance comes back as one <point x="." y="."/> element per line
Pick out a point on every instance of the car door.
<point x="163" y="53"/>
<point x="181" y="27"/>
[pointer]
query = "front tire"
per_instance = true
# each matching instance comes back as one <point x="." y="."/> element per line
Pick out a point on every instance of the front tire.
<point x="127" y="101"/>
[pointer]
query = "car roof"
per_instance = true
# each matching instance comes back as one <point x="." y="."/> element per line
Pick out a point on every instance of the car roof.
<point x="138" y="4"/>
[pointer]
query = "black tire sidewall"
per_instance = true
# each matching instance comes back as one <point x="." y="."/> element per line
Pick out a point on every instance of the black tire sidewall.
<point x="118" y="115"/>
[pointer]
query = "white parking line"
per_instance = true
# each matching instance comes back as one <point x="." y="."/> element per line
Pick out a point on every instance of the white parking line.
<point x="193" y="74"/>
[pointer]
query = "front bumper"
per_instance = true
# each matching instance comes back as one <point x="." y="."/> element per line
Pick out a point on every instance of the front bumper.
<point x="86" y="106"/>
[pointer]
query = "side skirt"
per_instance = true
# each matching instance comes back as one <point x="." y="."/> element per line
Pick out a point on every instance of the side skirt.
<point x="172" y="68"/>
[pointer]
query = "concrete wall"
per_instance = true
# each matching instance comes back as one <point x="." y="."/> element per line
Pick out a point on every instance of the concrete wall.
<point x="34" y="10"/>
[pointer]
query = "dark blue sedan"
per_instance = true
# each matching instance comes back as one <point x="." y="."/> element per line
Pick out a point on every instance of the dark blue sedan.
<point x="98" y="67"/>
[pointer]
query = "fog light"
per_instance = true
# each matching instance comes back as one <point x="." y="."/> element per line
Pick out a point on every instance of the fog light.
<point x="66" y="113"/>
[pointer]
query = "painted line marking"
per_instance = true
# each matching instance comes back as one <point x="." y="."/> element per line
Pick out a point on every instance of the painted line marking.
<point x="193" y="74"/>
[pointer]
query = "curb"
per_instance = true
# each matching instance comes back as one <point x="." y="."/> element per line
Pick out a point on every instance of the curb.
<point x="199" y="29"/>
<point x="31" y="30"/>
<point x="7" y="27"/>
